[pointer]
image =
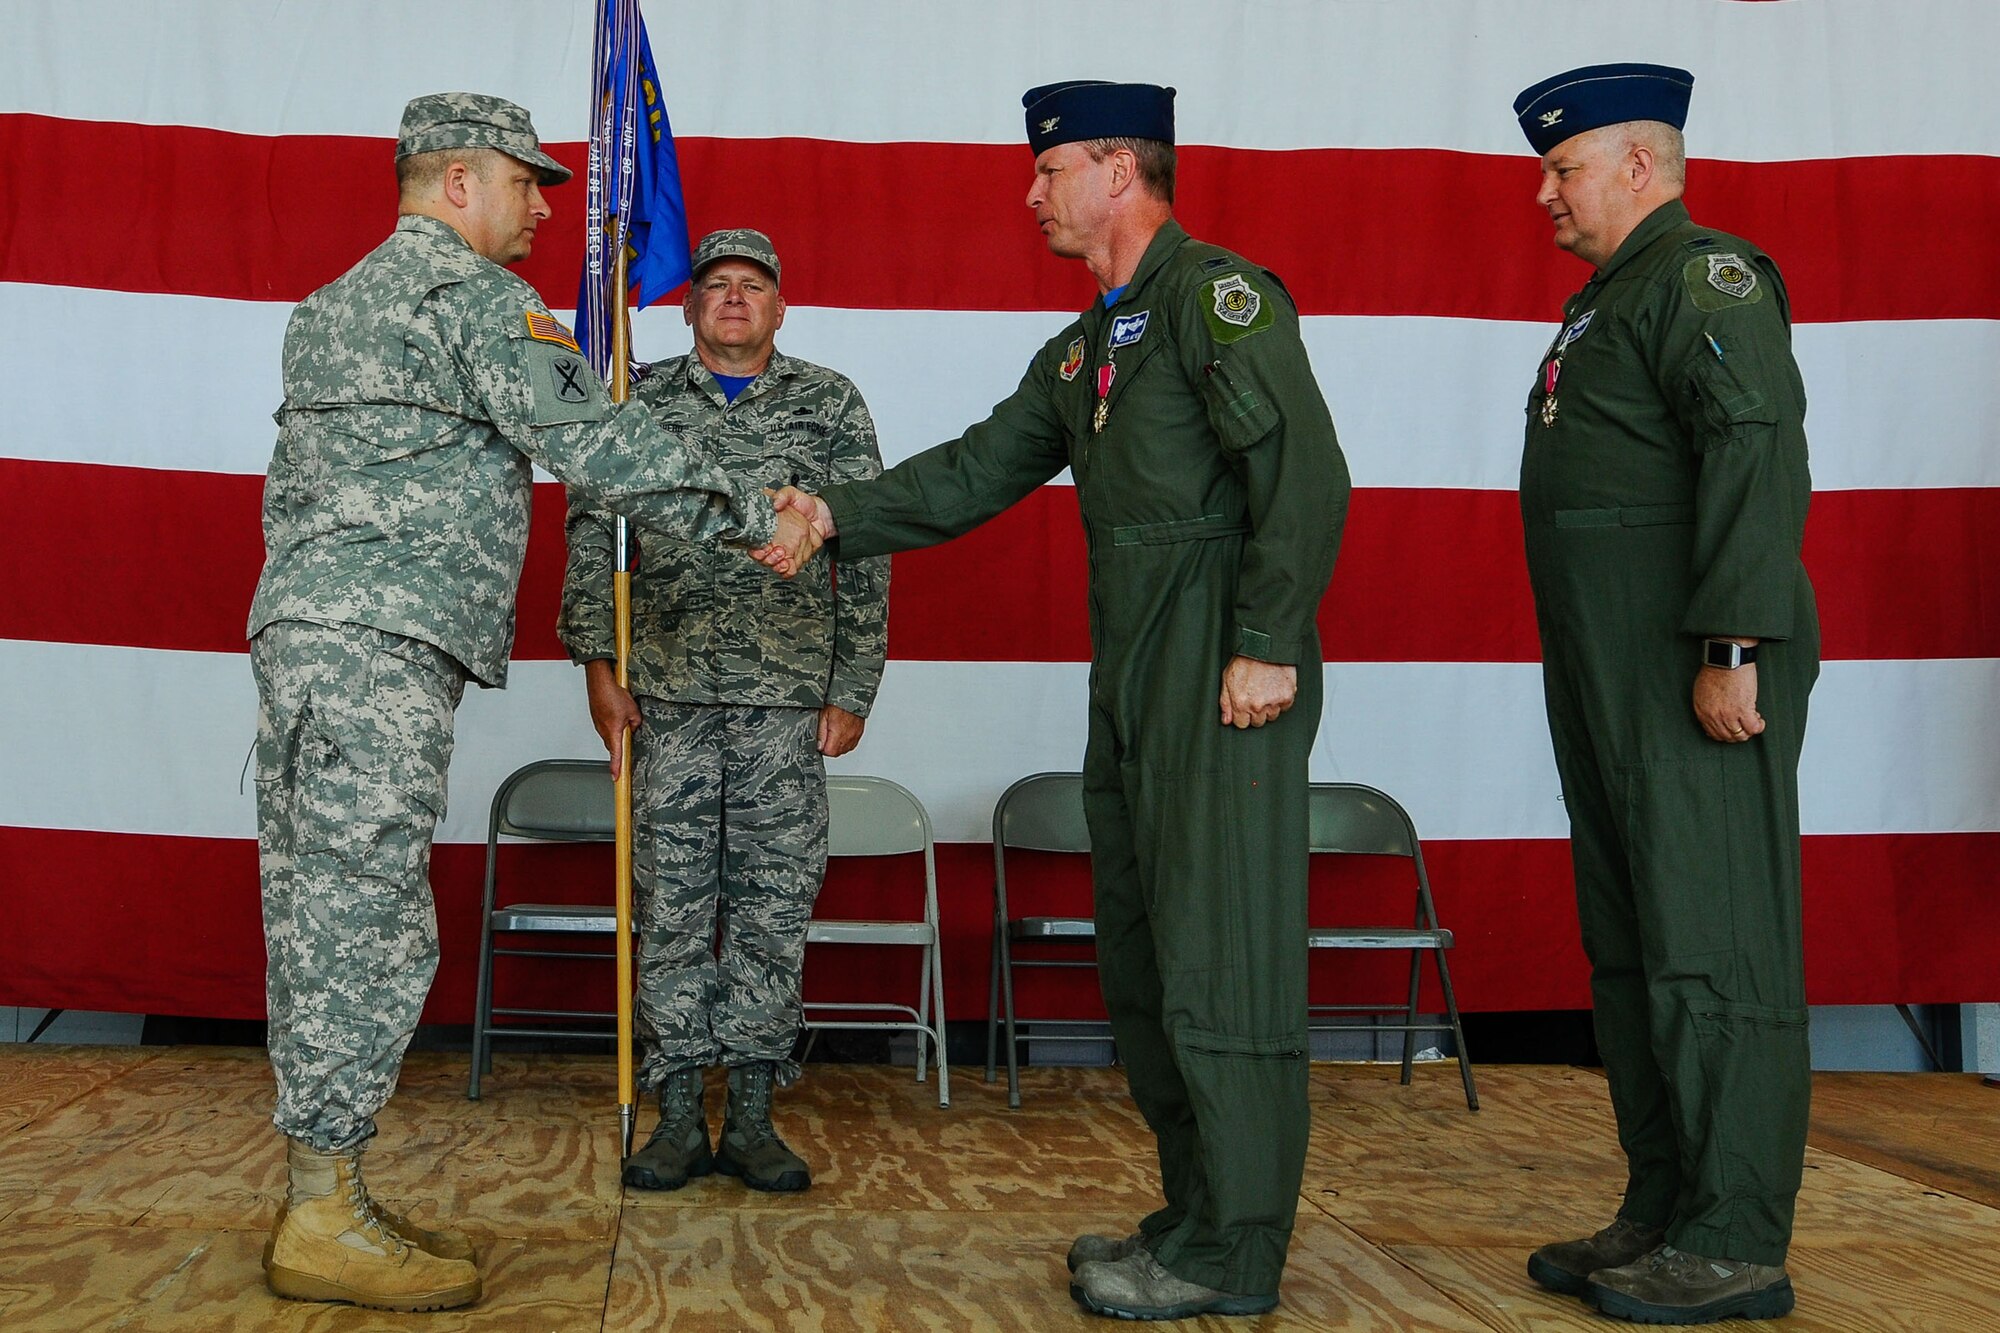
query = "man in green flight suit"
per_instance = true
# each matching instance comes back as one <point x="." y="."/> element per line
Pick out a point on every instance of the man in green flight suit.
<point x="1663" y="493"/>
<point x="1213" y="493"/>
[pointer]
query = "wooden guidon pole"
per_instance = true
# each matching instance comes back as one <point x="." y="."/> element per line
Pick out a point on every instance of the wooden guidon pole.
<point x="621" y="602"/>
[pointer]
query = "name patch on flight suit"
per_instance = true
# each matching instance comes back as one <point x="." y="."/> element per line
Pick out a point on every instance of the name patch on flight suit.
<point x="1719" y="281"/>
<point x="1575" y="330"/>
<point x="1235" y="309"/>
<point x="1128" y="329"/>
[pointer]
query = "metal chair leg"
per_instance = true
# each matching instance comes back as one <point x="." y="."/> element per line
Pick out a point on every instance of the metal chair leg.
<point x="1007" y="1012"/>
<point x="938" y="1033"/>
<point x="993" y="1001"/>
<point x="1457" y="1032"/>
<point x="1410" y="1019"/>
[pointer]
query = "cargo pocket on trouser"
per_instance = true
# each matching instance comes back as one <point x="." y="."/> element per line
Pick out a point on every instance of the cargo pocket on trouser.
<point x="1748" y="1149"/>
<point x="1249" y="1101"/>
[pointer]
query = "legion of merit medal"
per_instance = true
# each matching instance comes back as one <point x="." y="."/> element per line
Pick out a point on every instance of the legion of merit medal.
<point x="1550" y="376"/>
<point x="1105" y="374"/>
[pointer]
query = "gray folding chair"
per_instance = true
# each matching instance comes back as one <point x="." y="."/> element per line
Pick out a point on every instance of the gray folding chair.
<point x="876" y="817"/>
<point x="553" y="800"/>
<point x="1042" y="812"/>
<point x="1348" y="817"/>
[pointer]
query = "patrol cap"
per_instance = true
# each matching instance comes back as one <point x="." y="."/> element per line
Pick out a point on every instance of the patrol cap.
<point x="1081" y="109"/>
<point x="1598" y="95"/>
<point x="475" y="120"/>
<point x="736" y="243"/>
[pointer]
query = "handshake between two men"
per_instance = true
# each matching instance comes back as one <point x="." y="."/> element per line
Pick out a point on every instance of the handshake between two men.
<point x="804" y="524"/>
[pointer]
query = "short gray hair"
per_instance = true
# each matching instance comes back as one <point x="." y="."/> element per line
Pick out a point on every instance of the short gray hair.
<point x="1668" y="147"/>
<point x="1155" y="158"/>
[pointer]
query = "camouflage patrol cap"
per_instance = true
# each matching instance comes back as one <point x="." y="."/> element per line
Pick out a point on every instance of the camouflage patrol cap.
<point x="474" y="120"/>
<point x="737" y="243"/>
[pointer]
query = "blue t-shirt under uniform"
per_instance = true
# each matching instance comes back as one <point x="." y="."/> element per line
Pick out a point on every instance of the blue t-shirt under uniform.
<point x="733" y="384"/>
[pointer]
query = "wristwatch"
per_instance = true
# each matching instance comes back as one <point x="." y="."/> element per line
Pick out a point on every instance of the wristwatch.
<point x="1727" y="654"/>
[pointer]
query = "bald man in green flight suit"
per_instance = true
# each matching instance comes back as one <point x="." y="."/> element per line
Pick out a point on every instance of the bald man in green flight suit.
<point x="1663" y="491"/>
<point x="1213" y="493"/>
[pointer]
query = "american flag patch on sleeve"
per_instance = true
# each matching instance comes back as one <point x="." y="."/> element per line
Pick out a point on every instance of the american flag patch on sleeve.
<point x="549" y="329"/>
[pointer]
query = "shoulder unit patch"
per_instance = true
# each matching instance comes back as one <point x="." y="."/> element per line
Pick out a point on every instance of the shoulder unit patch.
<point x="1235" y="309"/>
<point x="1718" y="281"/>
<point x="1236" y="301"/>
<point x="549" y="329"/>
<point x="1728" y="273"/>
<point x="1072" y="359"/>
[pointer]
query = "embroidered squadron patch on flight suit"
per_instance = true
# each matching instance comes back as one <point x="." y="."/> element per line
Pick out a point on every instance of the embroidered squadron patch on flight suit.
<point x="1073" y="359"/>
<point x="1235" y="309"/>
<point x="1728" y="273"/>
<point x="1719" y="281"/>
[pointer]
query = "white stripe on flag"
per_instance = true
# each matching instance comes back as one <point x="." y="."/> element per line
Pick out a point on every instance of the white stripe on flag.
<point x="1418" y="402"/>
<point x="1360" y="73"/>
<point x="1893" y="747"/>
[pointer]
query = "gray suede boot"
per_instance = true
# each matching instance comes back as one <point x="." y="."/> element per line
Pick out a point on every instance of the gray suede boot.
<point x="1092" y="1248"/>
<point x="750" y="1147"/>
<point x="1566" y="1266"/>
<point x="678" y="1150"/>
<point x="1671" y="1286"/>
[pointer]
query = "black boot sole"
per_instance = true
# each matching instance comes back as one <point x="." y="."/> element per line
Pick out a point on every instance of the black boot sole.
<point x="1773" y="1302"/>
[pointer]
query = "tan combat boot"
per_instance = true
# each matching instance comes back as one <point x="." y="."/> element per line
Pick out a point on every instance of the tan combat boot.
<point x="444" y="1243"/>
<point x="331" y="1244"/>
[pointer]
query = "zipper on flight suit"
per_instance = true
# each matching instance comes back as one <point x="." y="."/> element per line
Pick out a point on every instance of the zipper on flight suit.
<point x="1083" y="510"/>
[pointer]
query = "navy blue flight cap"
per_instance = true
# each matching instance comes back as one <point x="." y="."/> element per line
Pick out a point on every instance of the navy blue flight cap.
<point x="1094" y="109"/>
<point x="1599" y="95"/>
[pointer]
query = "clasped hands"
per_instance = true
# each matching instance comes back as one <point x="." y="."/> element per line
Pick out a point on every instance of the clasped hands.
<point x="804" y="524"/>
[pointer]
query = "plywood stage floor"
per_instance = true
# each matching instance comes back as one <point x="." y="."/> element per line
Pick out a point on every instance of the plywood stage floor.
<point x="136" y="1186"/>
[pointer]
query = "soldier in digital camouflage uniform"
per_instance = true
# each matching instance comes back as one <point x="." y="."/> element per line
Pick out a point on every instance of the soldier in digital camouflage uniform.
<point x="744" y="682"/>
<point x="1213" y="492"/>
<point x="419" y="388"/>
<point x="1664" y="487"/>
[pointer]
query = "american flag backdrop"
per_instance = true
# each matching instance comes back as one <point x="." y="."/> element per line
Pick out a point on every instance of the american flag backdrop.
<point x="178" y="173"/>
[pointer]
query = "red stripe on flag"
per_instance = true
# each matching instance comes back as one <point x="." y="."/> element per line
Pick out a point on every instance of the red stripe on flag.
<point x="169" y="559"/>
<point x="192" y="941"/>
<point x="942" y="226"/>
